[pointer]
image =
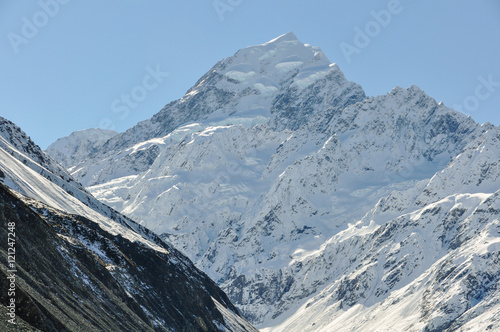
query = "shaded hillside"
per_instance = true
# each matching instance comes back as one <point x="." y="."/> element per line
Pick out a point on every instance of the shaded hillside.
<point x="72" y="275"/>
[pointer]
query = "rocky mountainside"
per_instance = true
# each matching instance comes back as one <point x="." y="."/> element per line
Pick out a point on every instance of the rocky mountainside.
<point x="81" y="265"/>
<point x="72" y="275"/>
<point x="271" y="174"/>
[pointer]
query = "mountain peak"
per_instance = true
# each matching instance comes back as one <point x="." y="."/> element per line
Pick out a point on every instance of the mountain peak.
<point x="283" y="49"/>
<point x="242" y="89"/>
<point x="79" y="144"/>
<point x="290" y="36"/>
<point x="272" y="62"/>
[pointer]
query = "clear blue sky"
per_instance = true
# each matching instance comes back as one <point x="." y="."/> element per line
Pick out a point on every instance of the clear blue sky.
<point x="66" y="67"/>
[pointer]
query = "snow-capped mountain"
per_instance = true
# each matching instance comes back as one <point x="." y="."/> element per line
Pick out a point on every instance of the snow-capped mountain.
<point x="82" y="265"/>
<point x="293" y="190"/>
<point x="79" y="145"/>
<point x="245" y="89"/>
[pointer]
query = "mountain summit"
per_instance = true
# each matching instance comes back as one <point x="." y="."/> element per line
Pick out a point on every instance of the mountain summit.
<point x="299" y="195"/>
<point x="242" y="88"/>
<point x="289" y="36"/>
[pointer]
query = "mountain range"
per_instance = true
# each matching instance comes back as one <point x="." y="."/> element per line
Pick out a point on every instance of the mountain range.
<point x="76" y="264"/>
<point x="311" y="205"/>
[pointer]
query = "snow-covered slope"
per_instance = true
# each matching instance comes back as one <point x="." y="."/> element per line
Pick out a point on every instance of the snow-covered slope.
<point x="433" y="267"/>
<point x="278" y="177"/>
<point x="17" y="144"/>
<point x="73" y="248"/>
<point x="28" y="170"/>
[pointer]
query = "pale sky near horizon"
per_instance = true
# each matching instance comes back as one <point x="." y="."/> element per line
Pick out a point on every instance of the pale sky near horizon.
<point x="65" y="65"/>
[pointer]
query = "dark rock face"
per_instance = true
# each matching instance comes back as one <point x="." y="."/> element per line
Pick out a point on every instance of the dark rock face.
<point x="72" y="275"/>
<point x="293" y="108"/>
